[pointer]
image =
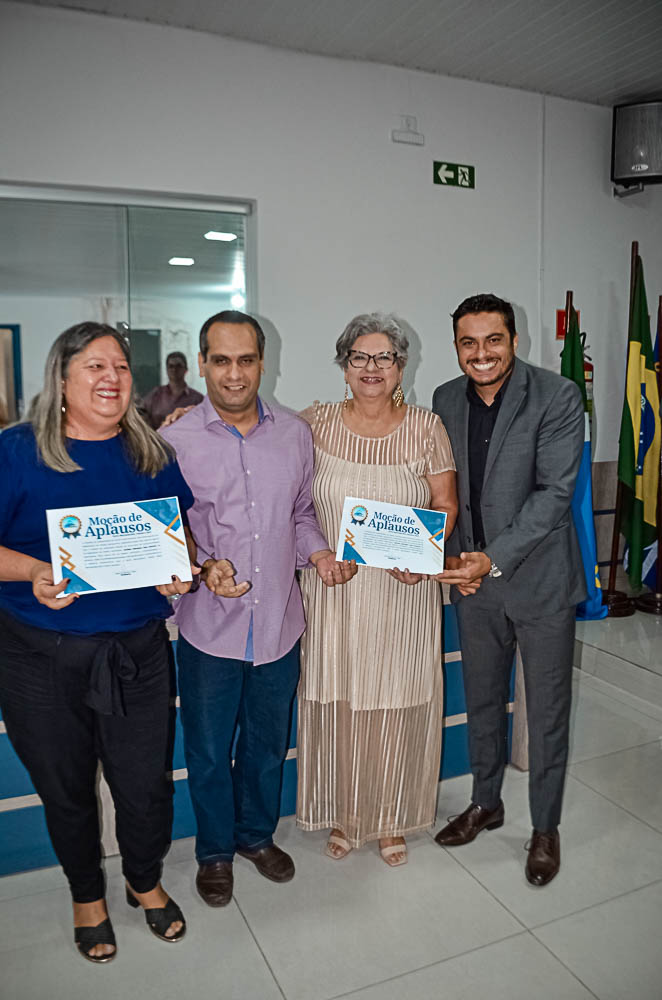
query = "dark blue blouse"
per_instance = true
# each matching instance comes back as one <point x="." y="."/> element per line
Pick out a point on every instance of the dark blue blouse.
<point x="28" y="488"/>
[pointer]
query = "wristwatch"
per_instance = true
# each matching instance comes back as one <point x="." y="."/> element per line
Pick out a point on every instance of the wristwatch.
<point x="494" y="570"/>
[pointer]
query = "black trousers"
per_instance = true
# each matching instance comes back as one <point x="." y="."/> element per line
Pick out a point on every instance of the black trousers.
<point x="488" y="637"/>
<point x="48" y="681"/>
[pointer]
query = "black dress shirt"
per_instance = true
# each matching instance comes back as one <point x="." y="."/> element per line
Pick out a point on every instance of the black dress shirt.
<point x="482" y="419"/>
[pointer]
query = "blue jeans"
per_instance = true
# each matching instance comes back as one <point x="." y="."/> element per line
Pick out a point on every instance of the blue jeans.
<point x="235" y="806"/>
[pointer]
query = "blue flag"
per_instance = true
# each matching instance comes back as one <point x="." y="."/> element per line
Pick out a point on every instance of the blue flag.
<point x="582" y="514"/>
<point x="572" y="366"/>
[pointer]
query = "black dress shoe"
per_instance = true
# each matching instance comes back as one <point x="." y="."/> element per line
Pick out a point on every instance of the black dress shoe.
<point x="464" y="828"/>
<point x="271" y="862"/>
<point x="544" y="858"/>
<point x="214" y="883"/>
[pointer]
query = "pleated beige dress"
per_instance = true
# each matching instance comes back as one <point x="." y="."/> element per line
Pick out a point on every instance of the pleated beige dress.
<point x="370" y="695"/>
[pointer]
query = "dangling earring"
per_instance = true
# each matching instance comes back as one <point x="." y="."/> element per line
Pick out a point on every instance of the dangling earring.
<point x="63" y="406"/>
<point x="345" y="402"/>
<point x="398" y="395"/>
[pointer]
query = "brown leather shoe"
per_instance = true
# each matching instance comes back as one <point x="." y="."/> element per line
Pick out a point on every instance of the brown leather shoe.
<point x="214" y="883"/>
<point x="544" y="858"/>
<point x="271" y="862"/>
<point x="464" y="828"/>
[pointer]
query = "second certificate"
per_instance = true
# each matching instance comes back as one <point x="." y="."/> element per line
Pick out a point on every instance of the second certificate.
<point x="388" y="535"/>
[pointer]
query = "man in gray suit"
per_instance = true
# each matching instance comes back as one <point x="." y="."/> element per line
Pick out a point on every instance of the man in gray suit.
<point x="517" y="433"/>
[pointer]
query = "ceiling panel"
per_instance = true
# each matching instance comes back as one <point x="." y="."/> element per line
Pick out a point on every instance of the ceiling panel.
<point x="600" y="51"/>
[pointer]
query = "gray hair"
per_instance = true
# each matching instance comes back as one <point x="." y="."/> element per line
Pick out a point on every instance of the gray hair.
<point x="148" y="451"/>
<point x="376" y="322"/>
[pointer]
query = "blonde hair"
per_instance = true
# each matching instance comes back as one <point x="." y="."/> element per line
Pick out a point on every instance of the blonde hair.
<point x="146" y="449"/>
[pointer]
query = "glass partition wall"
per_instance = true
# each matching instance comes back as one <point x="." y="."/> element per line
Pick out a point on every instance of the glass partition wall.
<point x="153" y="271"/>
<point x="66" y="260"/>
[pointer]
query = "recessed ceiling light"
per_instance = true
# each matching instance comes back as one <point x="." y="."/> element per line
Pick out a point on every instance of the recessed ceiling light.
<point x="181" y="261"/>
<point x="223" y="237"/>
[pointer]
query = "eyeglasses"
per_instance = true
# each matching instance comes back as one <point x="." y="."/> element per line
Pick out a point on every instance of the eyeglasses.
<point x="385" y="359"/>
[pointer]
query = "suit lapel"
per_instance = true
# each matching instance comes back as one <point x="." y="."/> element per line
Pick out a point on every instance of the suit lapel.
<point x="510" y="406"/>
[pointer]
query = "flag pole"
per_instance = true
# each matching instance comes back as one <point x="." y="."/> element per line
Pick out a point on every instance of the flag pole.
<point x="619" y="604"/>
<point x="652" y="603"/>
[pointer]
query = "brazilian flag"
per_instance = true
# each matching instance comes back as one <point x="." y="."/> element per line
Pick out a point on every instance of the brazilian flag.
<point x="572" y="367"/>
<point x="639" y="442"/>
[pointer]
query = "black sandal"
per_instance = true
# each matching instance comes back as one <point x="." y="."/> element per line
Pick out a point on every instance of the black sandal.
<point x="87" y="937"/>
<point x="159" y="918"/>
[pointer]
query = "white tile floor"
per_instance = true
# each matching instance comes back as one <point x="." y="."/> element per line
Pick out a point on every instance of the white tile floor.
<point x="637" y="639"/>
<point x="457" y="924"/>
<point x="625" y="653"/>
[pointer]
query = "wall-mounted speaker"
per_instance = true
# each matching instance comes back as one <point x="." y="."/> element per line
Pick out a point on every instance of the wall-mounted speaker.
<point x="636" y="145"/>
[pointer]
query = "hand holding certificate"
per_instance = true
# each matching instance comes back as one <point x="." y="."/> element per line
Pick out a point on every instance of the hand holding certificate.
<point x="118" y="546"/>
<point x="388" y="535"/>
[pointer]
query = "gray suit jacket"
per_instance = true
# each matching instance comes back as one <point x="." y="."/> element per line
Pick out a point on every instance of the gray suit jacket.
<point x="530" y="474"/>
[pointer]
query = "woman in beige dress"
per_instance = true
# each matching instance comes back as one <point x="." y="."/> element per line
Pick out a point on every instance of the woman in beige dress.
<point x="370" y="696"/>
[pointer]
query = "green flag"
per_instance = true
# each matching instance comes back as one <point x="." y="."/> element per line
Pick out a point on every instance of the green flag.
<point x="639" y="441"/>
<point x="572" y="356"/>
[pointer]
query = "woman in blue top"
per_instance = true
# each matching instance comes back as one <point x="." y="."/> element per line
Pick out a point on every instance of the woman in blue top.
<point x="89" y="680"/>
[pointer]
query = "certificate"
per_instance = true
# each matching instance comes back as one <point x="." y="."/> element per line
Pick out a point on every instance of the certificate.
<point x="117" y="546"/>
<point x="389" y="535"/>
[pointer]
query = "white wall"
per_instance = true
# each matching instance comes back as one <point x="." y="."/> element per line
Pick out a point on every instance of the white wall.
<point x="347" y="221"/>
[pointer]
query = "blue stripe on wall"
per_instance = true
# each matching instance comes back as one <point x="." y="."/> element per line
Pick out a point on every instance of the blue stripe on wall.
<point x="25" y="841"/>
<point x="454" y="754"/>
<point x="183" y="824"/>
<point x="178" y="759"/>
<point x="453" y="689"/>
<point x="288" y="795"/>
<point x="14" y="779"/>
<point x="451" y="634"/>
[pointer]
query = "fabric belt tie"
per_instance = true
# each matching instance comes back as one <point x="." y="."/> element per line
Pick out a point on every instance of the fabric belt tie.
<point x="111" y="665"/>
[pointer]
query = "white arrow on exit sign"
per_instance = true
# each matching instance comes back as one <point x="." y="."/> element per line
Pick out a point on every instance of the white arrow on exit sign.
<point x="445" y="173"/>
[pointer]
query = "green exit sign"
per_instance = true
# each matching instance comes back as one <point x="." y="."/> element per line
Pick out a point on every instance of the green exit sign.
<point x="454" y="174"/>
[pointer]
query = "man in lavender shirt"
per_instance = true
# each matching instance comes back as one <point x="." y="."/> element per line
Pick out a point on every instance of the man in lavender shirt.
<point x="249" y="466"/>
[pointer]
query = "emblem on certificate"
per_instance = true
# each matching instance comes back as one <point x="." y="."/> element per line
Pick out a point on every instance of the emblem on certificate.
<point x="70" y="526"/>
<point x="359" y="513"/>
<point x="118" y="546"/>
<point x="387" y="535"/>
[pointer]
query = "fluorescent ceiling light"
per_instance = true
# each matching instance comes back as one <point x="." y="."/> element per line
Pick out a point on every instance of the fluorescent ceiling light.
<point x="238" y="301"/>
<point x="181" y="261"/>
<point x="223" y="237"/>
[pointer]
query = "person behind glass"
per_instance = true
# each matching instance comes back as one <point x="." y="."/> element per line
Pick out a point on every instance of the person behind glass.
<point x="163" y="399"/>
<point x="88" y="680"/>
<point x="250" y="466"/>
<point x="370" y="704"/>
